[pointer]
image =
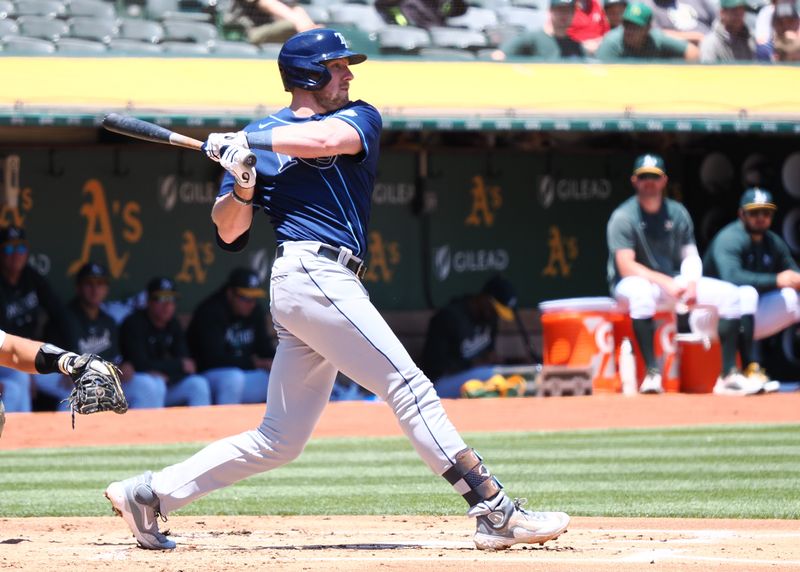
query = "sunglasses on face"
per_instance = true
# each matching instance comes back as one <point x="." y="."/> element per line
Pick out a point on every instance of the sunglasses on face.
<point x="760" y="212"/>
<point x="10" y="249"/>
<point x="648" y="177"/>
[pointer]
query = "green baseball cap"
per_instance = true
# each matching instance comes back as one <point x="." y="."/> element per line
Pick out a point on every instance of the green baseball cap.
<point x="649" y="164"/>
<point x="757" y="198"/>
<point x="725" y="4"/>
<point x="638" y="13"/>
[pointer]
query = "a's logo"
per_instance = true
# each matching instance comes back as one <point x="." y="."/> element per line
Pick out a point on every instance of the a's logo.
<point x="485" y="201"/>
<point x="197" y="257"/>
<point x="563" y="250"/>
<point x="571" y="190"/>
<point x="384" y="257"/>
<point x="441" y="262"/>
<point x="99" y="229"/>
<point x="446" y="262"/>
<point x="760" y="197"/>
<point x="647" y="160"/>
<point x="173" y="190"/>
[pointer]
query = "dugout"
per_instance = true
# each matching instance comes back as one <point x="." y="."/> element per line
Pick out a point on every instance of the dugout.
<point x="485" y="167"/>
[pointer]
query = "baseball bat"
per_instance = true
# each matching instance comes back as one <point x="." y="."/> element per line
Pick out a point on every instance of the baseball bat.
<point x="140" y="129"/>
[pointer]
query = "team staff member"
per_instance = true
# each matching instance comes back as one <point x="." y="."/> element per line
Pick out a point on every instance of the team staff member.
<point x="153" y="341"/>
<point x="653" y="263"/>
<point x="25" y="297"/>
<point x="747" y="253"/>
<point x="317" y="162"/>
<point x="91" y="330"/>
<point x="461" y="337"/>
<point x="229" y="342"/>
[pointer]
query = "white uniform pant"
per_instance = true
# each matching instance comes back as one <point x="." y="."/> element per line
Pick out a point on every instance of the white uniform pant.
<point x="325" y="323"/>
<point x="774" y="311"/>
<point x="644" y="298"/>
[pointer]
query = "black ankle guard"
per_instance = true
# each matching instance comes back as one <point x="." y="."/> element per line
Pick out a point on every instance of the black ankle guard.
<point x="471" y="478"/>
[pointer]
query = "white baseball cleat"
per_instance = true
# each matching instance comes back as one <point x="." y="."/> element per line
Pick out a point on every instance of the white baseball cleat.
<point x="735" y="383"/>
<point x="134" y="500"/>
<point x="651" y="382"/>
<point x="754" y="371"/>
<point x="501" y="523"/>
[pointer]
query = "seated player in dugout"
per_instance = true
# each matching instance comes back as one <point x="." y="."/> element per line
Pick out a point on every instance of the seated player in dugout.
<point x="28" y="303"/>
<point x="653" y="265"/>
<point x="461" y="337"/>
<point x="153" y="341"/>
<point x="228" y="340"/>
<point x="91" y="330"/>
<point x="748" y="254"/>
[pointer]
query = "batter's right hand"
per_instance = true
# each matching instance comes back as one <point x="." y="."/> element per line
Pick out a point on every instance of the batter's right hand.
<point x="216" y="143"/>
<point x="232" y="160"/>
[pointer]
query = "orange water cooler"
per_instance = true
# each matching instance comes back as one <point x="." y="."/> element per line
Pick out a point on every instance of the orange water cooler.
<point x="579" y="332"/>
<point x="663" y="344"/>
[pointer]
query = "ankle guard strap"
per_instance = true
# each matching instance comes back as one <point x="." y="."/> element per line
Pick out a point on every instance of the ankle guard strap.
<point x="470" y="477"/>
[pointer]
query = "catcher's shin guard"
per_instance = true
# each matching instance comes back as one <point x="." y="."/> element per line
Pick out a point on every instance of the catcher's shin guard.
<point x="470" y="477"/>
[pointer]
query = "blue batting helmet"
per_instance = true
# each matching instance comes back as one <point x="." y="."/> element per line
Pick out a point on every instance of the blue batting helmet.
<point x="302" y="58"/>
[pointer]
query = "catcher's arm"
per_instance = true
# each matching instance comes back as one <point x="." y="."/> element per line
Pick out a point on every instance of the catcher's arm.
<point x="19" y="353"/>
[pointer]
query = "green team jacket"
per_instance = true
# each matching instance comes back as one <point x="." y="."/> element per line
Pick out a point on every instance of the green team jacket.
<point x="734" y="257"/>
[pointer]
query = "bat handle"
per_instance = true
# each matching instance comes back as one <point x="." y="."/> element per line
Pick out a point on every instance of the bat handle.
<point x="250" y="159"/>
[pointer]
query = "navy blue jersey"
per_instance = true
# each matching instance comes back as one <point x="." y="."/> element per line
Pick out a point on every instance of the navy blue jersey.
<point x="326" y="199"/>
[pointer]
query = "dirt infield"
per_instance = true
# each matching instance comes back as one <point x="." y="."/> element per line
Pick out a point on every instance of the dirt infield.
<point x="347" y="543"/>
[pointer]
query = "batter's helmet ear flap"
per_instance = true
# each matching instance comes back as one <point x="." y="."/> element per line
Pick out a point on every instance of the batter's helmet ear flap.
<point x="302" y="58"/>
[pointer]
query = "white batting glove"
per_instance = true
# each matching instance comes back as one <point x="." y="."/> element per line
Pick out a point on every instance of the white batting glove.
<point x="232" y="160"/>
<point x="216" y="143"/>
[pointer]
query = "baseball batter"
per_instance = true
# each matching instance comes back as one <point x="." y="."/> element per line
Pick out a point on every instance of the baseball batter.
<point x="653" y="264"/>
<point x="748" y="254"/>
<point x="317" y="162"/>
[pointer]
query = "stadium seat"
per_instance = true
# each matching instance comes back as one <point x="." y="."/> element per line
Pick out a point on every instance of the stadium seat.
<point x="27" y="46"/>
<point x="92" y="8"/>
<point x="496" y="35"/>
<point x="185" y="31"/>
<point x="7" y="9"/>
<point x="142" y="30"/>
<point x="541" y="5"/>
<point x="234" y="49"/>
<point x="317" y="12"/>
<point x="174" y="10"/>
<point x="475" y="19"/>
<point x="457" y="38"/>
<point x="48" y="8"/>
<point x="8" y="28"/>
<point x="126" y="47"/>
<point x="403" y="39"/>
<point x="42" y="27"/>
<point x="155" y="9"/>
<point x="79" y="46"/>
<point x="98" y="29"/>
<point x="528" y="18"/>
<point x="270" y="50"/>
<point x="446" y="54"/>
<point x="361" y="16"/>
<point x="185" y="49"/>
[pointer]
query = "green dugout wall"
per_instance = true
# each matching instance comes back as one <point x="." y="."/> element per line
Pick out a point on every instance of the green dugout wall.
<point x="447" y="213"/>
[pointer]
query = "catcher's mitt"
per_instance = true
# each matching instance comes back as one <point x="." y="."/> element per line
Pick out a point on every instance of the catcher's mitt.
<point x="97" y="387"/>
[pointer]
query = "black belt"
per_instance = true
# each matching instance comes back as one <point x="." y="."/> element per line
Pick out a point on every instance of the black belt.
<point x="331" y="253"/>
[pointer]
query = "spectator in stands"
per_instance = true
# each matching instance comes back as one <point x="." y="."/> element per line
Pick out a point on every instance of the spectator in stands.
<point x="268" y="21"/>
<point x="420" y="13"/>
<point x="461" y="336"/>
<point x="614" y="10"/>
<point x="636" y="39"/>
<point x="551" y="45"/>
<point x="729" y="39"/>
<point x="688" y="20"/>
<point x="589" y="24"/>
<point x="27" y="302"/>
<point x="228" y="339"/>
<point x="92" y="330"/>
<point x="786" y="37"/>
<point x="152" y="340"/>
<point x="763" y="26"/>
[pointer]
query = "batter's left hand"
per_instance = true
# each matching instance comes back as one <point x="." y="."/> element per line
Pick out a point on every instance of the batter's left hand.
<point x="689" y="296"/>
<point x="216" y="143"/>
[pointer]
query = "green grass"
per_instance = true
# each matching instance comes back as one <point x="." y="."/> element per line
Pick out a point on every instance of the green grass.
<point x="727" y="471"/>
